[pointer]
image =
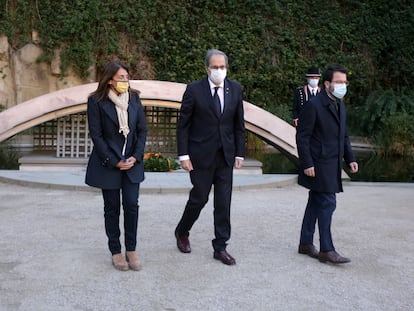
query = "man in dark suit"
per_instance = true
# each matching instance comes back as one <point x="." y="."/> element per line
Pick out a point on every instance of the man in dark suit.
<point x="323" y="143"/>
<point x="210" y="141"/>
<point x="305" y="92"/>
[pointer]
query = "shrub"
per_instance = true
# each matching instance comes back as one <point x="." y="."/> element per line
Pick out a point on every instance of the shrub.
<point x="387" y="117"/>
<point x="8" y="158"/>
<point x="397" y="136"/>
<point x="156" y="162"/>
<point x="383" y="104"/>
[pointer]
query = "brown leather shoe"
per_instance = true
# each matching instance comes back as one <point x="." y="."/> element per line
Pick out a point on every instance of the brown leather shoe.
<point x="308" y="249"/>
<point x="133" y="261"/>
<point x="118" y="261"/>
<point x="183" y="243"/>
<point x="225" y="258"/>
<point x="332" y="257"/>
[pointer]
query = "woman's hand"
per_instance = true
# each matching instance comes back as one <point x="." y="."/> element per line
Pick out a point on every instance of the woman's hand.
<point x="126" y="164"/>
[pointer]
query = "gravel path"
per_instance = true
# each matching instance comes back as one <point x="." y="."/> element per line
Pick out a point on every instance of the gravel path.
<point x="54" y="254"/>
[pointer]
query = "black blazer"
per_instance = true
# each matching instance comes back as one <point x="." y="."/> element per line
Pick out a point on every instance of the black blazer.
<point x="323" y="142"/>
<point x="201" y="129"/>
<point x="108" y="142"/>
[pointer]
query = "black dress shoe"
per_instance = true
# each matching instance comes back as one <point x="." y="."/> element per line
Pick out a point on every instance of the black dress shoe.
<point x="225" y="258"/>
<point x="332" y="257"/>
<point x="183" y="243"/>
<point x="308" y="249"/>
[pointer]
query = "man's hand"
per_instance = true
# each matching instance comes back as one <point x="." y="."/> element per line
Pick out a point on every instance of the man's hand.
<point x="353" y="167"/>
<point x="187" y="165"/>
<point x="296" y="122"/>
<point x="238" y="163"/>
<point x="309" y="171"/>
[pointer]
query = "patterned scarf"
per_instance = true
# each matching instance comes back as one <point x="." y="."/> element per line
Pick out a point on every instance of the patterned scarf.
<point x="121" y="106"/>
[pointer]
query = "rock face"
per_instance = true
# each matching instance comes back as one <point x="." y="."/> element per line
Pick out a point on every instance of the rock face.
<point x="22" y="77"/>
<point x="7" y="90"/>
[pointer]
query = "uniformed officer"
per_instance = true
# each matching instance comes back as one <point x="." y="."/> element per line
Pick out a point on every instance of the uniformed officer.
<point x="305" y="92"/>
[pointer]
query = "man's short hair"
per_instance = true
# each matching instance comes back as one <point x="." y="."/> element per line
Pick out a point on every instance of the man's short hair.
<point x="212" y="52"/>
<point x="328" y="74"/>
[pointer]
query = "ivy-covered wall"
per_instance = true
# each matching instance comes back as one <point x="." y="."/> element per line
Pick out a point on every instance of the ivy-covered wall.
<point x="269" y="43"/>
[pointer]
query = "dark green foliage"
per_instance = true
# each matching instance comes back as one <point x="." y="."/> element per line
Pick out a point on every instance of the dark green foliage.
<point x="376" y="167"/>
<point x="381" y="105"/>
<point x="397" y="137"/>
<point x="387" y="118"/>
<point x="276" y="163"/>
<point x="8" y="158"/>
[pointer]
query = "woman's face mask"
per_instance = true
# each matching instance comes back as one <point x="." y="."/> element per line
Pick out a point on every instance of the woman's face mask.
<point x="121" y="86"/>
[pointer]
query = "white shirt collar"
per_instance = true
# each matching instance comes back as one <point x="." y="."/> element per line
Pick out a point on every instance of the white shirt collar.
<point x="311" y="88"/>
<point x="212" y="85"/>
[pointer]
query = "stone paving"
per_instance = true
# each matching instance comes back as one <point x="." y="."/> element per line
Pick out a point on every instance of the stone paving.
<point x="54" y="254"/>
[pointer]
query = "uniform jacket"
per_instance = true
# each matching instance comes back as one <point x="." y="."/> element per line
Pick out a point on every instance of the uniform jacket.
<point x="201" y="129"/>
<point x="108" y="142"/>
<point x="300" y="98"/>
<point x="323" y="142"/>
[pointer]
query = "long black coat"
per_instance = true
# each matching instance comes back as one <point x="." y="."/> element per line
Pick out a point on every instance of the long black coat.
<point x="323" y="143"/>
<point x="108" y="143"/>
<point x="200" y="128"/>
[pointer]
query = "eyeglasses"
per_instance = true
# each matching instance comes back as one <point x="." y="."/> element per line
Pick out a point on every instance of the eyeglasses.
<point x="340" y="82"/>
<point x="217" y="67"/>
<point x="121" y="78"/>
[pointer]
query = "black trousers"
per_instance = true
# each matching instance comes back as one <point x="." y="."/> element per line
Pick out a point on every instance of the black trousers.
<point x="112" y="209"/>
<point x="221" y="176"/>
<point x="320" y="208"/>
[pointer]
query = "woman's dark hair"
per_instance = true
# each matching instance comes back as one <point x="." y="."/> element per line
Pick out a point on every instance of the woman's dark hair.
<point x="109" y="71"/>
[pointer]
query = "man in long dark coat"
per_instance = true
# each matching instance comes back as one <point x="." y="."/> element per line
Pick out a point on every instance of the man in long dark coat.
<point x="323" y="143"/>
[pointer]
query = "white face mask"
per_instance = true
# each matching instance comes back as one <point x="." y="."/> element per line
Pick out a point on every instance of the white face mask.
<point x="313" y="82"/>
<point x="339" y="90"/>
<point x="217" y="76"/>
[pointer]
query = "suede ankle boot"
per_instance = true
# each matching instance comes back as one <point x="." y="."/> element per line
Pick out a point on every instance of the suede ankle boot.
<point x="118" y="261"/>
<point x="133" y="261"/>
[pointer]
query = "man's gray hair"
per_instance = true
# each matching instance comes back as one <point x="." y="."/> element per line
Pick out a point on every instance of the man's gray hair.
<point x="212" y="52"/>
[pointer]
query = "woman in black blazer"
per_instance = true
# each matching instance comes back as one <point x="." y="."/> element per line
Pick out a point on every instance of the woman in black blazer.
<point x="118" y="130"/>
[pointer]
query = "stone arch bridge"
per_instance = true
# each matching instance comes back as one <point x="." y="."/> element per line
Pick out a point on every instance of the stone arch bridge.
<point x="16" y="119"/>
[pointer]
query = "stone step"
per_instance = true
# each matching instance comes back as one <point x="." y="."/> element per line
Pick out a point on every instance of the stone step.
<point x="48" y="162"/>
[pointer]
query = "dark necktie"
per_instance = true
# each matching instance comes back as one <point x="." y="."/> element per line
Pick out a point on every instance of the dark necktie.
<point x="216" y="99"/>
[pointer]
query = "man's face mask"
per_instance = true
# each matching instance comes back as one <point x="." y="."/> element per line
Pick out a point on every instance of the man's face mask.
<point x="217" y="76"/>
<point x="313" y="82"/>
<point x="339" y="90"/>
